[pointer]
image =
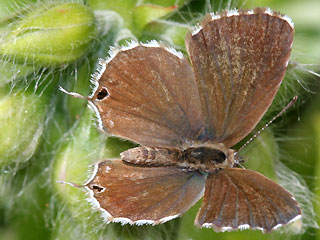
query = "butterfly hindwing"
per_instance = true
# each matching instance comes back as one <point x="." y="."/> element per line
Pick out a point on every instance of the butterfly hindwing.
<point x="139" y="195"/>
<point x="238" y="198"/>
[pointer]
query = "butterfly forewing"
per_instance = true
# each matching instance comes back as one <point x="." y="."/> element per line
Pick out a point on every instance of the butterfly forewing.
<point x="152" y="97"/>
<point x="140" y="195"/>
<point x="239" y="62"/>
<point x="237" y="198"/>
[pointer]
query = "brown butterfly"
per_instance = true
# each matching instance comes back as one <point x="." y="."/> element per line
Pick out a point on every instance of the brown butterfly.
<point x="186" y="116"/>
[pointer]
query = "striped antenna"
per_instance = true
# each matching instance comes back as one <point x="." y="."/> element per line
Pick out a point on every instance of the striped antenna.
<point x="265" y="126"/>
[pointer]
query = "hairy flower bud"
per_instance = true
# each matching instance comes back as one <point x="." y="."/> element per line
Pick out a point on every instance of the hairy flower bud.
<point x="48" y="36"/>
<point x="21" y="126"/>
<point x="83" y="147"/>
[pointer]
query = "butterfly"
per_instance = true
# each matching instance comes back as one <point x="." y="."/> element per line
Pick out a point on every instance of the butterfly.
<point x="186" y="114"/>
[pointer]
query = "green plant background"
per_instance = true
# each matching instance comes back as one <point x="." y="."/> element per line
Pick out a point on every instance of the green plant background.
<point x="47" y="136"/>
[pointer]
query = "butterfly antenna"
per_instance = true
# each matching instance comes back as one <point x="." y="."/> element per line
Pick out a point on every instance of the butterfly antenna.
<point x="73" y="94"/>
<point x="240" y="165"/>
<point x="265" y="126"/>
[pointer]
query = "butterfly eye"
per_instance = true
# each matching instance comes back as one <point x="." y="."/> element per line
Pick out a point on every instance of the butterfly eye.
<point x="221" y="157"/>
<point x="103" y="94"/>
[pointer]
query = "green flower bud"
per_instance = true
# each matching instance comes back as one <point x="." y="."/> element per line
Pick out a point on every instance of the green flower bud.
<point x="10" y="71"/>
<point x="145" y="14"/>
<point x="171" y="32"/>
<point x="137" y="14"/>
<point x="9" y="8"/>
<point x="85" y="146"/>
<point x="21" y="126"/>
<point x="122" y="7"/>
<point x="49" y="36"/>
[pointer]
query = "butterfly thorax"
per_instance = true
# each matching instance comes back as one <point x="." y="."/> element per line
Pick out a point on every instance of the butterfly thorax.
<point x="202" y="158"/>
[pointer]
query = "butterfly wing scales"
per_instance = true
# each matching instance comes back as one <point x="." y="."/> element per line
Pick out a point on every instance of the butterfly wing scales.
<point x="239" y="62"/>
<point x="153" y="99"/>
<point x="144" y="194"/>
<point x="237" y="198"/>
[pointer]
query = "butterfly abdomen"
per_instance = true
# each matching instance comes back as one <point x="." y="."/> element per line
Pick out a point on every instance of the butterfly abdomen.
<point x="151" y="156"/>
<point x="194" y="158"/>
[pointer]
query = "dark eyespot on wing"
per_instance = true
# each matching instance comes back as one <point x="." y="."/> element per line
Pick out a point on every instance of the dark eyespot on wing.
<point x="98" y="188"/>
<point x="102" y="94"/>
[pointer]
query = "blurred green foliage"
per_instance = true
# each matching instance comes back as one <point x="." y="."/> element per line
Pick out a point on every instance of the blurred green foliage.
<point x="47" y="136"/>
